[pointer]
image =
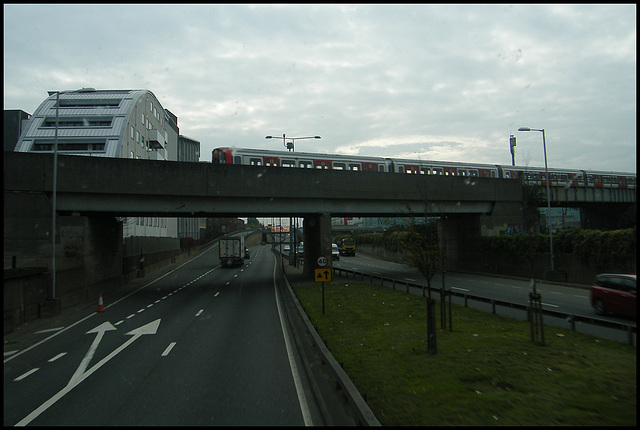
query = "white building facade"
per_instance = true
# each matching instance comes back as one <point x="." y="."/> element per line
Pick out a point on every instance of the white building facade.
<point x="108" y="123"/>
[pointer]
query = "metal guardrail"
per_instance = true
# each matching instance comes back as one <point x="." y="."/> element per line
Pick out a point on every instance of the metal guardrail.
<point x="572" y="318"/>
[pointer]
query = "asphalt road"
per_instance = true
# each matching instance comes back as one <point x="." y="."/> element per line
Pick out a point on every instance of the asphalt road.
<point x="571" y="299"/>
<point x="200" y="345"/>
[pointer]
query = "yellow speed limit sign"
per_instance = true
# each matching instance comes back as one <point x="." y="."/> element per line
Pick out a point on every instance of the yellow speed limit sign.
<point x="323" y="275"/>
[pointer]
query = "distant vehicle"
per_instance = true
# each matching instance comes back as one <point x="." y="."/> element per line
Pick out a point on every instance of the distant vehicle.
<point x="246" y="254"/>
<point x="286" y="249"/>
<point x="347" y="246"/>
<point x="232" y="251"/>
<point x="335" y="253"/>
<point x="300" y="251"/>
<point x="614" y="293"/>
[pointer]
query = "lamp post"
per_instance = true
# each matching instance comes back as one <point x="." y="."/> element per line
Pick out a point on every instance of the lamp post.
<point x="546" y="169"/>
<point x="53" y="205"/>
<point x="290" y="145"/>
<point x="55" y="185"/>
<point x="293" y="245"/>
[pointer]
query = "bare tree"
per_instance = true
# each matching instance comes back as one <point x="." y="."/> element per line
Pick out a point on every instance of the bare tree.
<point x="422" y="252"/>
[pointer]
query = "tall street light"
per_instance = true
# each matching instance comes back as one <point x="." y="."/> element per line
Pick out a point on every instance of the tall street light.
<point x="53" y="205"/>
<point x="546" y="169"/>
<point x="290" y="145"/>
<point x="55" y="185"/>
<point x="293" y="246"/>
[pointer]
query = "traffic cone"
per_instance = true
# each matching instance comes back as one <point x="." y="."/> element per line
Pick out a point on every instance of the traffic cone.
<point x="100" y="305"/>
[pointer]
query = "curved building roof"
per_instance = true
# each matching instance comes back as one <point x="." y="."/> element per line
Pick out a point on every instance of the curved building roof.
<point x="104" y="123"/>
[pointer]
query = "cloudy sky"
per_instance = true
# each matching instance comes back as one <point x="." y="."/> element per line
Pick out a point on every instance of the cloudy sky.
<point x="436" y="82"/>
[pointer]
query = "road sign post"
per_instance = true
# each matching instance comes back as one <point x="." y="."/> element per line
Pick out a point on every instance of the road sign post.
<point x="322" y="275"/>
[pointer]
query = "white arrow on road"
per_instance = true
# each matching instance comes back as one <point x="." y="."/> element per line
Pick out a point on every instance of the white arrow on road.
<point x="150" y="328"/>
<point x="105" y="326"/>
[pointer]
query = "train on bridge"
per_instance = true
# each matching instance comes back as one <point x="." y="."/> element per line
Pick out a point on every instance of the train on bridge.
<point x="529" y="175"/>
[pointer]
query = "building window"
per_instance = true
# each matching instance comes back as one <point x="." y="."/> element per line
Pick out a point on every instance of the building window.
<point x="137" y="136"/>
<point x="89" y="103"/>
<point x="132" y="132"/>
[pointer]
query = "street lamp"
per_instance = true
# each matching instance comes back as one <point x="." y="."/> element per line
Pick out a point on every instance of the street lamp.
<point x="292" y="240"/>
<point x="546" y="169"/>
<point x="54" y="186"/>
<point x="289" y="145"/>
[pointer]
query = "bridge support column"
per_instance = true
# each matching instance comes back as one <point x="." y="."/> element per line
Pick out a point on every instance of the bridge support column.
<point x="317" y="242"/>
<point x="460" y="235"/>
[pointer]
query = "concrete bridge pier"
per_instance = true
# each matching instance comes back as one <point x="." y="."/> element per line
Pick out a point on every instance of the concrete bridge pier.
<point x="317" y="242"/>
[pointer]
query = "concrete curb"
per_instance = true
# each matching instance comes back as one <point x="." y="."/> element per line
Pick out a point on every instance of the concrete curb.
<point x="361" y="408"/>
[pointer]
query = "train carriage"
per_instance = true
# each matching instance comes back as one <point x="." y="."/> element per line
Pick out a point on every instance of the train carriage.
<point x="528" y="175"/>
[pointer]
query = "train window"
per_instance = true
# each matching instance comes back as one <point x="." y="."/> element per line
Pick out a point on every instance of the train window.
<point x="400" y="169"/>
<point x="255" y="161"/>
<point x="412" y="169"/>
<point x="238" y="159"/>
<point x="381" y="168"/>
<point x="354" y="167"/>
<point x="305" y="164"/>
<point x="288" y="163"/>
<point x="473" y="172"/>
<point x="338" y="166"/>
<point x="437" y="171"/>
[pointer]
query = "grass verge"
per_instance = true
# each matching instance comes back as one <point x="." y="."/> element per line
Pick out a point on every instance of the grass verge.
<point x="486" y="372"/>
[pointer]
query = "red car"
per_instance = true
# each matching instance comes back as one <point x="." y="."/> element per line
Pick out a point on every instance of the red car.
<point x="614" y="293"/>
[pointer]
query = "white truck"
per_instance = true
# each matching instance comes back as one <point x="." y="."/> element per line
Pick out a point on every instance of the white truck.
<point x="232" y="251"/>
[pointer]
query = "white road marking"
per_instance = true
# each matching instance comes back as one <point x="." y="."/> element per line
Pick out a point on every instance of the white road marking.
<point x="199" y="312"/>
<point x="457" y="288"/>
<point x="216" y="294"/>
<point x="100" y="330"/>
<point x="304" y="407"/>
<point x="24" y="375"/>
<point x="62" y="354"/>
<point x="48" y="330"/>
<point x="150" y="328"/>
<point x="168" y="350"/>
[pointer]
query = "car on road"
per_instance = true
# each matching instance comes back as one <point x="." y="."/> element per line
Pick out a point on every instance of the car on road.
<point x="335" y="253"/>
<point x="300" y="251"/>
<point x="615" y="293"/>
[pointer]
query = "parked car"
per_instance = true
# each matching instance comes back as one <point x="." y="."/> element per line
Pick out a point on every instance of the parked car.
<point x="335" y="253"/>
<point x="300" y="251"/>
<point x="614" y="293"/>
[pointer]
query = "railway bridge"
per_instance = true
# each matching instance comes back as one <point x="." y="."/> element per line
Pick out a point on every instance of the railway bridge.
<point x="100" y="189"/>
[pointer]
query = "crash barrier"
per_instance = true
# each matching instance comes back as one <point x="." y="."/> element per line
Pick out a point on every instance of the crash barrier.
<point x="571" y="318"/>
<point x="364" y="415"/>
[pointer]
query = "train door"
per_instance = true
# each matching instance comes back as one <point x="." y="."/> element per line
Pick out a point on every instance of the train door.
<point x="411" y="169"/>
<point x="369" y="167"/>
<point x="322" y="164"/>
<point x="272" y="161"/>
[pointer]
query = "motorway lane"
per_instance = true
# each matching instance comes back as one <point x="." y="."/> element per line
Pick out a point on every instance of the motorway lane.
<point x="572" y="300"/>
<point x="555" y="297"/>
<point x="217" y="357"/>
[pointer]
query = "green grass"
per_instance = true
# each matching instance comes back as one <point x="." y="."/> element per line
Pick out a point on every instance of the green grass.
<point x="487" y="370"/>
